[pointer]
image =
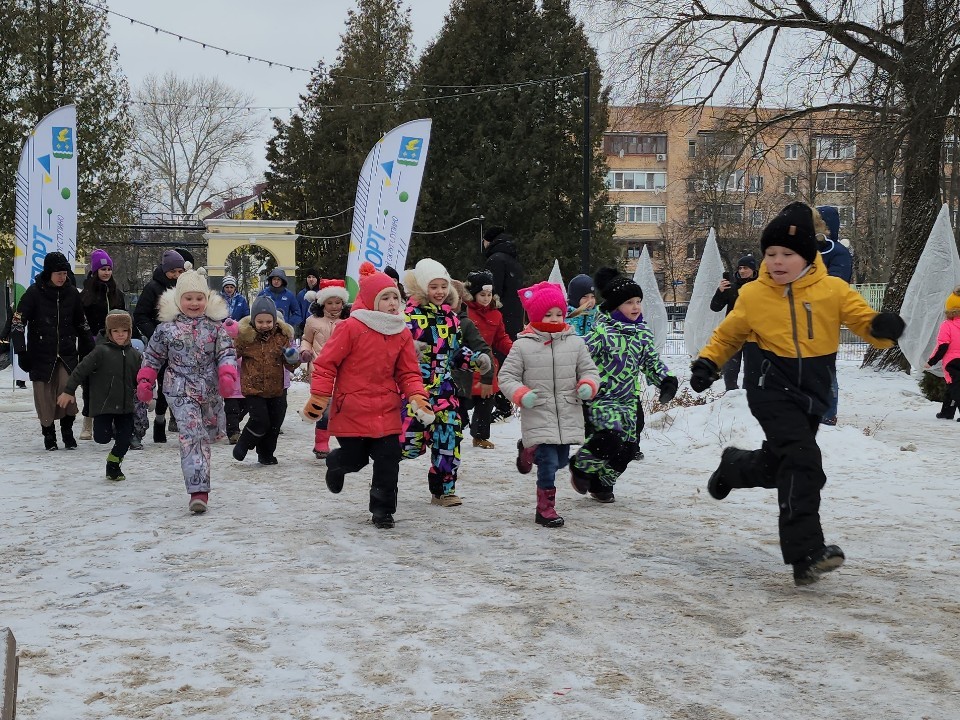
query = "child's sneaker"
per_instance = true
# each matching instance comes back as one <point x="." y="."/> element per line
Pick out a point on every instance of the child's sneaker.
<point x="383" y="522"/>
<point x="809" y="570"/>
<point x="448" y="500"/>
<point x="481" y="443"/>
<point x="198" y="502"/>
<point x="525" y="457"/>
<point x="113" y="468"/>
<point x="603" y="496"/>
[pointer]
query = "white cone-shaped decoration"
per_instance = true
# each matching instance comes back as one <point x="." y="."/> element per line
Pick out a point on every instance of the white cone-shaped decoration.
<point x="555" y="277"/>
<point x="936" y="275"/>
<point x="654" y="311"/>
<point x="701" y="320"/>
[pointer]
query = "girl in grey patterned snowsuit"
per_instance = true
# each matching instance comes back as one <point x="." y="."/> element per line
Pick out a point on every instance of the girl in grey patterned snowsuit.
<point x="201" y="370"/>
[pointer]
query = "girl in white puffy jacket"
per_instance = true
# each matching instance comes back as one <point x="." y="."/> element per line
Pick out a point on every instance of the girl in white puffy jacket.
<point x="549" y="374"/>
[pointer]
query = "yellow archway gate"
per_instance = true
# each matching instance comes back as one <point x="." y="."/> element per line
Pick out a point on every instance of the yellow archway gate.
<point x="224" y="236"/>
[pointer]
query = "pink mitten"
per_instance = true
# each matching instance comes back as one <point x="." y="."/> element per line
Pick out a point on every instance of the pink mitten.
<point x="146" y="377"/>
<point x="229" y="380"/>
<point x="306" y="355"/>
<point x="232" y="327"/>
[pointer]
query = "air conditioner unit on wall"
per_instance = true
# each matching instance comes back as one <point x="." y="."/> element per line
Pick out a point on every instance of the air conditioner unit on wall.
<point x="661" y="157"/>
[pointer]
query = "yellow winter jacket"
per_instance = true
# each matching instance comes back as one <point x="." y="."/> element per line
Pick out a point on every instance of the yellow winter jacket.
<point x="795" y="332"/>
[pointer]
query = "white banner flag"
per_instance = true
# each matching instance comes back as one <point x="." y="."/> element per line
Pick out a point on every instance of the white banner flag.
<point x="46" y="210"/>
<point x="386" y="202"/>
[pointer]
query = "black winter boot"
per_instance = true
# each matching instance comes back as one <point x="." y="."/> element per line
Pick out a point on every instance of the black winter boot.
<point x="809" y="570"/>
<point x="49" y="437"/>
<point x="383" y="522"/>
<point x="66" y="432"/>
<point x="113" y="468"/>
<point x="160" y="429"/>
<point x="947" y="410"/>
<point x="246" y="441"/>
<point x="335" y="473"/>
<point x="172" y="424"/>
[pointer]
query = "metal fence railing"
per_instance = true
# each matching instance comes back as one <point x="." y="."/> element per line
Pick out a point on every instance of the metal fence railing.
<point x="872" y="293"/>
<point x="851" y="347"/>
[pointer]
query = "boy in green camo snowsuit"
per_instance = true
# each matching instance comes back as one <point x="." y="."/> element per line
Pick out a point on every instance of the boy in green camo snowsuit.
<point x="620" y="345"/>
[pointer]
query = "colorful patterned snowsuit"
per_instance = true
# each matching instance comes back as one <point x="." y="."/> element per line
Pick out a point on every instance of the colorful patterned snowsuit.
<point x="193" y="349"/>
<point x="438" y="328"/>
<point x="614" y="416"/>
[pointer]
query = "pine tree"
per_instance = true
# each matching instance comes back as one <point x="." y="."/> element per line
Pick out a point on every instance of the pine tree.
<point x="315" y="158"/>
<point x="514" y="155"/>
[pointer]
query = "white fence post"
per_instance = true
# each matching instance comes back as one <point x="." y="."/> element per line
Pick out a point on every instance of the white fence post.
<point x="11" y="667"/>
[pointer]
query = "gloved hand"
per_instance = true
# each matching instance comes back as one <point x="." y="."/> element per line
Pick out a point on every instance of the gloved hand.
<point x="229" y="380"/>
<point x="420" y="346"/>
<point x="586" y="390"/>
<point x="529" y="399"/>
<point x="306" y="355"/>
<point x="887" y="326"/>
<point x="23" y="361"/>
<point x="315" y="407"/>
<point x="232" y="327"/>
<point x="480" y="362"/>
<point x="291" y="355"/>
<point x="146" y="377"/>
<point x="422" y="410"/>
<point x="703" y="373"/>
<point x="668" y="389"/>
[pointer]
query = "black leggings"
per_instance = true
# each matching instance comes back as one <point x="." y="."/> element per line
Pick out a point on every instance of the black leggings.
<point x="116" y="427"/>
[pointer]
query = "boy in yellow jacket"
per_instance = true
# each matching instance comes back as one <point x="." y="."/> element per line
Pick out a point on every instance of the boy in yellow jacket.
<point x="788" y="323"/>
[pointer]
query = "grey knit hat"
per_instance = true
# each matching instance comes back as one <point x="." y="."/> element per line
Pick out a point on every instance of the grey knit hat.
<point x="263" y="305"/>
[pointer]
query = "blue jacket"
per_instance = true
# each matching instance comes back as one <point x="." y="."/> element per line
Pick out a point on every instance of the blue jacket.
<point x="304" y="304"/>
<point x="237" y="305"/>
<point x="286" y="302"/>
<point x="835" y="256"/>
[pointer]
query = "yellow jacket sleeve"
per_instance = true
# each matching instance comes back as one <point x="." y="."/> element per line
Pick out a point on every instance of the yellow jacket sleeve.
<point x="729" y="336"/>
<point x="857" y="315"/>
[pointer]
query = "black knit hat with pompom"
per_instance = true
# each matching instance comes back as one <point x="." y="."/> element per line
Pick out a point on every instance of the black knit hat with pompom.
<point x="615" y="288"/>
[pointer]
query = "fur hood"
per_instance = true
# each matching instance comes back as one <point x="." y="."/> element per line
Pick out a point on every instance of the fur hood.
<point x="168" y="311"/>
<point x="247" y="332"/>
<point x="420" y="294"/>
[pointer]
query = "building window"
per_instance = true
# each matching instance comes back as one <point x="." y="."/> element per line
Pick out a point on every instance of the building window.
<point x="846" y="216"/>
<point x="720" y="214"/>
<point x="691" y="148"/>
<point x="834" y="182"/>
<point x="724" y="144"/>
<point x="791" y="151"/>
<point x="691" y="251"/>
<point x="949" y="148"/>
<point x="734" y="181"/>
<point x="636" y="180"/>
<point x="645" y="214"/>
<point x="756" y="218"/>
<point x="790" y="186"/>
<point x="887" y="185"/>
<point x="834" y="147"/>
<point x="634" y="250"/>
<point x="756" y="183"/>
<point x="634" y="144"/>
<point x="758" y="149"/>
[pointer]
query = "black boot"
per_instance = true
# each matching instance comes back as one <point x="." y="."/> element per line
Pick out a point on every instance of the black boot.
<point x="947" y="410"/>
<point x="246" y="441"/>
<point x="266" y="448"/>
<point x="809" y="570"/>
<point x="741" y="468"/>
<point x="160" y="429"/>
<point x="49" y="437"/>
<point x="335" y="473"/>
<point x="113" y="468"/>
<point x="172" y="424"/>
<point x="66" y="432"/>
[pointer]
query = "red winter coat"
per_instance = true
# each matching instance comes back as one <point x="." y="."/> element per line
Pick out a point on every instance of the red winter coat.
<point x="367" y="366"/>
<point x="489" y="322"/>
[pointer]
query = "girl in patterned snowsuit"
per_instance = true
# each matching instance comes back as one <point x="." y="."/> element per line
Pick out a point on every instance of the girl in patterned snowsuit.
<point x="619" y="344"/>
<point x="201" y="370"/>
<point x="436" y="333"/>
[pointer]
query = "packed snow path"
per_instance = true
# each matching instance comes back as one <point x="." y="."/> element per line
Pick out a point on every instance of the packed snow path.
<point x="283" y="601"/>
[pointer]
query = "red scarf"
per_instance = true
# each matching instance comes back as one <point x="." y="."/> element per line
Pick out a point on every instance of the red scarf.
<point x="549" y="327"/>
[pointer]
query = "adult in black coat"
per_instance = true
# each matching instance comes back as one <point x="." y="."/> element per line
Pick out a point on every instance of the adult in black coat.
<point x="49" y="334"/>
<point x="724" y="299"/>
<point x="145" y="321"/>
<point x="500" y="249"/>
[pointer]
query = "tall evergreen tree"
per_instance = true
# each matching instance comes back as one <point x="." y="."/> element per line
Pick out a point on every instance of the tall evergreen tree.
<point x="514" y="155"/>
<point x="316" y="157"/>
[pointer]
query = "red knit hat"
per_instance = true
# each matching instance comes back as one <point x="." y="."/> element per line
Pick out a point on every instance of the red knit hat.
<point x="331" y="289"/>
<point x="372" y="284"/>
<point x="538" y="299"/>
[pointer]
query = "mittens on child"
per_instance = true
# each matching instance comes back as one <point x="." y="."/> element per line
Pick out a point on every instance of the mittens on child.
<point x="586" y="389"/>
<point x="480" y="363"/>
<point x="668" y="389"/>
<point x="703" y="372"/>
<point x="146" y="377"/>
<point x="422" y="410"/>
<point x="231" y="327"/>
<point x="314" y="408"/>
<point x="229" y="380"/>
<point x="887" y="326"/>
<point x="291" y="355"/>
<point x="529" y="399"/>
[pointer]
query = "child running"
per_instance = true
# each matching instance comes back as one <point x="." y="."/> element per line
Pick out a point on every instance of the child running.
<point x="264" y="351"/>
<point x="111" y="371"/>
<point x="948" y="350"/>
<point x="367" y="366"/>
<point x="620" y="345"/>
<point x="436" y="333"/>
<point x="326" y="312"/>
<point x="788" y="324"/>
<point x="549" y="374"/>
<point x="201" y="371"/>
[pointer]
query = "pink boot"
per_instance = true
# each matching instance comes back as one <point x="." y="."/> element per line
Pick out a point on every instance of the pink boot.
<point x="546" y="508"/>
<point x="525" y="457"/>
<point x="321" y="443"/>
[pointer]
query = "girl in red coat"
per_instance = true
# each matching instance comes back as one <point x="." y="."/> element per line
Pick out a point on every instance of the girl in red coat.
<point x="368" y="365"/>
<point x="482" y="309"/>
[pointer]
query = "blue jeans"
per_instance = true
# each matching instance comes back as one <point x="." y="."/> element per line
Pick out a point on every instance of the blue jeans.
<point x="549" y="459"/>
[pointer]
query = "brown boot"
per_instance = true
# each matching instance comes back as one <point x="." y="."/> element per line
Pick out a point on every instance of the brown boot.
<point x="481" y="443"/>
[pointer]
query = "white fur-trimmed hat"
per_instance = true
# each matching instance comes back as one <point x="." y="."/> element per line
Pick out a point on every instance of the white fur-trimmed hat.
<point x="427" y="270"/>
<point x="331" y="289"/>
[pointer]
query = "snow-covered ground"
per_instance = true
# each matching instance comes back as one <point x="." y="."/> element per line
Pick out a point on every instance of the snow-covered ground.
<point x="283" y="601"/>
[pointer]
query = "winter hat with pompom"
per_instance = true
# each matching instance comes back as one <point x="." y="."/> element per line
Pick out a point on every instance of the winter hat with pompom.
<point x="615" y="288"/>
<point x="100" y="259"/>
<point x="372" y="285"/>
<point x="952" y="305"/>
<point x="191" y="281"/>
<point x="479" y="280"/>
<point x="330" y="289"/>
<point x="539" y="299"/>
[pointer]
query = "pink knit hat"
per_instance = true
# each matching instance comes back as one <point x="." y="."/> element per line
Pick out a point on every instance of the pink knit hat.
<point x="538" y="299"/>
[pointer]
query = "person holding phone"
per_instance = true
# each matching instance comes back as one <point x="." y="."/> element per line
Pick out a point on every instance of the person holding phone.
<point x="724" y="299"/>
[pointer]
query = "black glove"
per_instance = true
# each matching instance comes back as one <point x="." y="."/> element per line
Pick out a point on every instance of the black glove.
<point x="668" y="388"/>
<point x="887" y="326"/>
<point x="23" y="360"/>
<point x="702" y="374"/>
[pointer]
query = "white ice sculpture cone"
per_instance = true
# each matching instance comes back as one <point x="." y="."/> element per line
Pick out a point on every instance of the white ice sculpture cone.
<point x="936" y="275"/>
<point x="654" y="311"/>
<point x="701" y="320"/>
<point x="555" y="277"/>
